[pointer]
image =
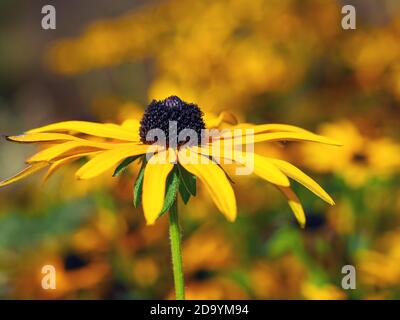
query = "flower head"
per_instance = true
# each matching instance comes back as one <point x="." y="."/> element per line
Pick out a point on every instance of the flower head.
<point x="159" y="114"/>
<point x="360" y="160"/>
<point x="188" y="153"/>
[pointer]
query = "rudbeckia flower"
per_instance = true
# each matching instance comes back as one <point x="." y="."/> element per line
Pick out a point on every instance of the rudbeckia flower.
<point x="167" y="169"/>
<point x="362" y="159"/>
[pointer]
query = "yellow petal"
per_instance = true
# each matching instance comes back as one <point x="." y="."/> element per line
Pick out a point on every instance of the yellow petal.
<point x="295" y="205"/>
<point x="60" y="163"/>
<point x="108" y="159"/>
<point x="224" y="117"/>
<point x="280" y="136"/>
<point x="270" y="127"/>
<point x="79" y="146"/>
<point x="42" y="137"/>
<point x="298" y="175"/>
<point x="91" y="128"/>
<point x="263" y="166"/>
<point x="154" y="183"/>
<point x="24" y="173"/>
<point x="131" y="125"/>
<point x="265" y="169"/>
<point x="295" y="136"/>
<point x="215" y="181"/>
<point x="59" y="137"/>
<point x="133" y="132"/>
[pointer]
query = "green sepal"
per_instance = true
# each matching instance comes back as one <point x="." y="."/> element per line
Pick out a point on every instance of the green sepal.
<point x="172" y="186"/>
<point x="188" y="180"/>
<point x="122" y="166"/>
<point x="185" y="195"/>
<point x="137" y="188"/>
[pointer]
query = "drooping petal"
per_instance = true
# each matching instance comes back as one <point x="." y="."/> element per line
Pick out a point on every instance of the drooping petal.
<point x="265" y="169"/>
<point x="224" y="117"/>
<point x="154" y="183"/>
<point x="215" y="181"/>
<point x="79" y="146"/>
<point x="60" y="163"/>
<point x="262" y="166"/>
<point x="108" y="159"/>
<point x="295" y="205"/>
<point x="91" y="128"/>
<point x="298" y="175"/>
<point x="24" y="173"/>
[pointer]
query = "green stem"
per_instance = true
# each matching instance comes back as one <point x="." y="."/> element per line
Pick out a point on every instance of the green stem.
<point x="176" y="251"/>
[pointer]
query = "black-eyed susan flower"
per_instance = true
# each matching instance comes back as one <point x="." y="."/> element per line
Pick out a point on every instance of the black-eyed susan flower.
<point x="110" y="145"/>
<point x="361" y="159"/>
<point x="175" y="149"/>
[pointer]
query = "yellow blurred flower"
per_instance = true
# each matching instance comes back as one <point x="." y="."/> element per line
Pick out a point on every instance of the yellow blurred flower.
<point x="72" y="272"/>
<point x="312" y="291"/>
<point x="208" y="249"/>
<point x="233" y="44"/>
<point x="372" y="53"/>
<point x="379" y="267"/>
<point x="145" y="271"/>
<point x="281" y="278"/>
<point x="342" y="218"/>
<point x="98" y="233"/>
<point x="359" y="159"/>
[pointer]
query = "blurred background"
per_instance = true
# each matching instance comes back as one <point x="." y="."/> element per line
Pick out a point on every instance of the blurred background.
<point x="269" y="61"/>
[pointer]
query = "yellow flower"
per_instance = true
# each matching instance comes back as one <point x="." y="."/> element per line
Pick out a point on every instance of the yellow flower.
<point x="322" y="292"/>
<point x="342" y="218"/>
<point x="110" y="145"/>
<point x="379" y="267"/>
<point x="145" y="271"/>
<point x="208" y="249"/>
<point x="74" y="273"/>
<point x="279" y="278"/>
<point x="226" y="43"/>
<point x="360" y="158"/>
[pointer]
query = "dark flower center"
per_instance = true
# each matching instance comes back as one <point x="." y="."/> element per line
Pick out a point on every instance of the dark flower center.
<point x="360" y="158"/>
<point x="171" y="116"/>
